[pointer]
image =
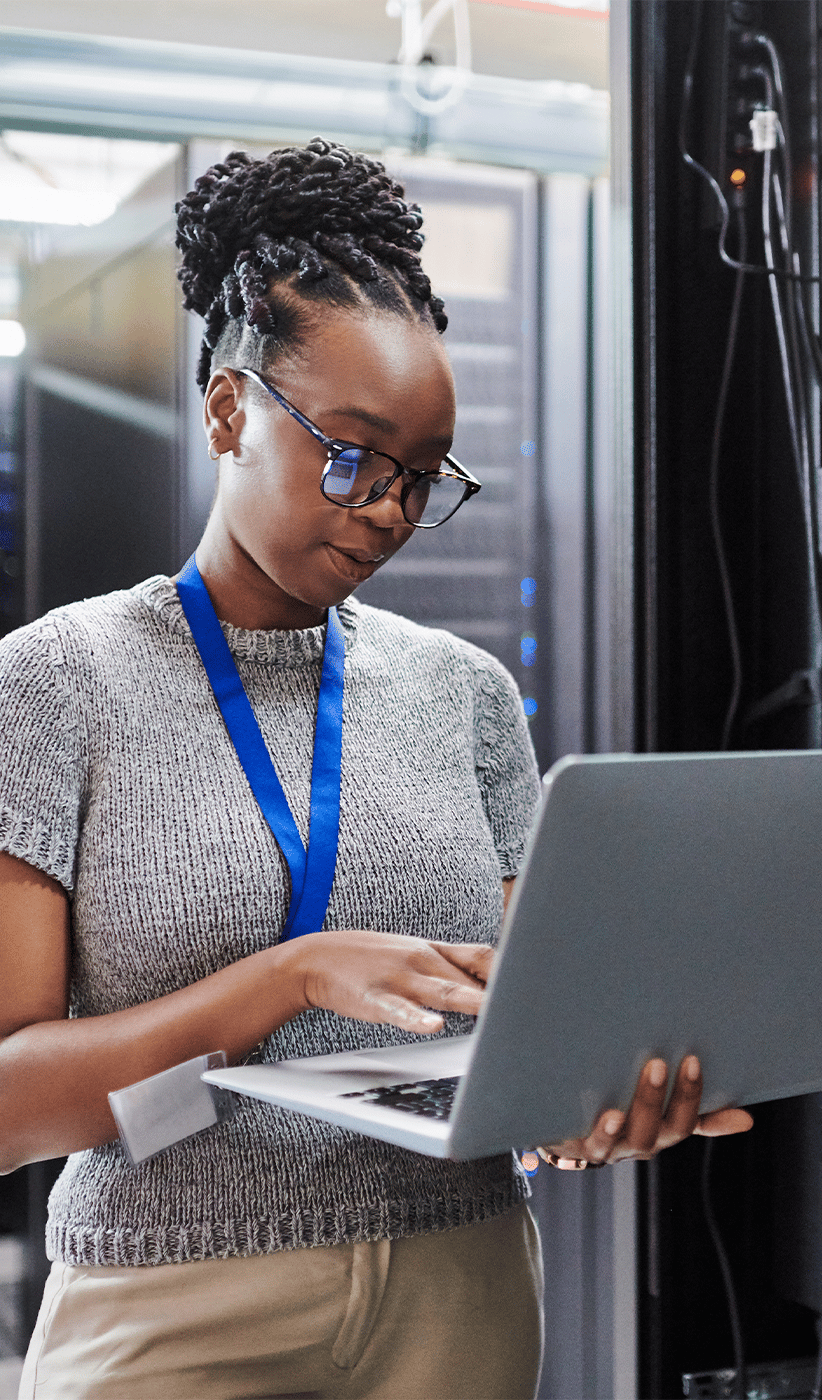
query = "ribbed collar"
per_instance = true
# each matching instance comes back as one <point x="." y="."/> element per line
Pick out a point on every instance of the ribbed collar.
<point x="277" y="648"/>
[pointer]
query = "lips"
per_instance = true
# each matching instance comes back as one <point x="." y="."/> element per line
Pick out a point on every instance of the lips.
<point x="356" y="565"/>
<point x="361" y="555"/>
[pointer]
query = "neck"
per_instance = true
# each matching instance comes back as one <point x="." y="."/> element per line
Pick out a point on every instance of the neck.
<point x="243" y="595"/>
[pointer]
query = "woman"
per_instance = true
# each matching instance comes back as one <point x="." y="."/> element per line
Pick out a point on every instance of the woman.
<point x="145" y="896"/>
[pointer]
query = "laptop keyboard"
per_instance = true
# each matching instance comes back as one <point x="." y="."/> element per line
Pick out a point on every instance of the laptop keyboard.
<point x="433" y="1098"/>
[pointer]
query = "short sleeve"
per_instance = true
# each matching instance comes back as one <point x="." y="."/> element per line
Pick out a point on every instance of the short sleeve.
<point x="41" y="752"/>
<point x="505" y="763"/>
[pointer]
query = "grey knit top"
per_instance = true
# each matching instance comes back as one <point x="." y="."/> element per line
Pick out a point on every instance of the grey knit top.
<point x="118" y="779"/>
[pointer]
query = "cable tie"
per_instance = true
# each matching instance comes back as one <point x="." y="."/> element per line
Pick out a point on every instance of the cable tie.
<point x="764" y="126"/>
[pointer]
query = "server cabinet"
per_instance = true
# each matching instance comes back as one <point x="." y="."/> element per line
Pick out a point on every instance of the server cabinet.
<point x="727" y="622"/>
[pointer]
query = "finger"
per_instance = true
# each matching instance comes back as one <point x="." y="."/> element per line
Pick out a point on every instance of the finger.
<point x="602" y="1140"/>
<point x="682" y="1113"/>
<point x="386" y="1008"/>
<point x="595" y="1148"/>
<point x="444" y="993"/>
<point x="568" y="1151"/>
<point x="723" y="1122"/>
<point x="644" y="1120"/>
<point x="475" y="959"/>
<point x="426" y="994"/>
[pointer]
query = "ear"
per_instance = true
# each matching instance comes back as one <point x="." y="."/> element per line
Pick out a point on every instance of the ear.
<point x="223" y="416"/>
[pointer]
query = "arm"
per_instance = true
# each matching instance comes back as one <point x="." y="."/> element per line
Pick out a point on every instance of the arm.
<point x="55" y="1073"/>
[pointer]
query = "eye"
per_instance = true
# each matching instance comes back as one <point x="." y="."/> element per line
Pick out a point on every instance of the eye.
<point x="358" y="474"/>
<point x="341" y="476"/>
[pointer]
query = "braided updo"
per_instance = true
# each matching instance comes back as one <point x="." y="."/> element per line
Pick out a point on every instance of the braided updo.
<point x="329" y="225"/>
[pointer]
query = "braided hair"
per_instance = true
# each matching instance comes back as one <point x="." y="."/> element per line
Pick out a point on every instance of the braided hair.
<point x="317" y="220"/>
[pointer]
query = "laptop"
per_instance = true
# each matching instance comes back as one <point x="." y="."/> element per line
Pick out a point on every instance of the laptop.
<point x="668" y="904"/>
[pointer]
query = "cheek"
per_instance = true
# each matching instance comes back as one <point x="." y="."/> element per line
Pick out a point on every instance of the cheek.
<point x="280" y="506"/>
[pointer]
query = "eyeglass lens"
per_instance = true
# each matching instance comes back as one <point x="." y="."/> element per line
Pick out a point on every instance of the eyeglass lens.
<point x="359" y="476"/>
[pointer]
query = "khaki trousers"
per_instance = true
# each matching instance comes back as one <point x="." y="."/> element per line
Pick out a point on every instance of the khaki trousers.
<point x="450" y="1316"/>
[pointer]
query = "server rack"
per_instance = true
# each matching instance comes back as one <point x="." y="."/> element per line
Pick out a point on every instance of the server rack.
<point x="761" y="1185"/>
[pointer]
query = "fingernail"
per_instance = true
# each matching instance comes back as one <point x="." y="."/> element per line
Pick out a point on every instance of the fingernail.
<point x="657" y="1073"/>
<point x="692" y="1068"/>
<point x="613" y="1123"/>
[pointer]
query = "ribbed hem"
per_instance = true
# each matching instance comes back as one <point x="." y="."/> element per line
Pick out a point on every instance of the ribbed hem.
<point x="32" y="841"/>
<point x="172" y="1244"/>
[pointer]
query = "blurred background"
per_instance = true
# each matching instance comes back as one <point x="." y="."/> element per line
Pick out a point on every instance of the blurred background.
<point x="495" y="115"/>
<point x="644" y="555"/>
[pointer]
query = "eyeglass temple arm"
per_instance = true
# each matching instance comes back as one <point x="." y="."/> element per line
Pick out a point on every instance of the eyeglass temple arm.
<point x="469" y="479"/>
<point x="289" y="408"/>
<point x="328" y="442"/>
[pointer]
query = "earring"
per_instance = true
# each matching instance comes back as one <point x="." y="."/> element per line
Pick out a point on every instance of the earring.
<point x="214" y="457"/>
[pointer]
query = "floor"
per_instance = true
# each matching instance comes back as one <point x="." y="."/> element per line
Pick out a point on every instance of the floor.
<point x="11" y="1270"/>
<point x="10" y="1368"/>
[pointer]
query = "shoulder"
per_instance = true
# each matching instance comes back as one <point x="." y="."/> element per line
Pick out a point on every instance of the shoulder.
<point x="76" y="634"/>
<point x="400" y="641"/>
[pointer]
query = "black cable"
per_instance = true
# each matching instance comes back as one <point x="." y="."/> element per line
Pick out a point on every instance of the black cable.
<point x="725" y="213"/>
<point x="799" y="322"/>
<point x="811" y="339"/>
<point x="713" y="477"/>
<point x="804" y="313"/>
<point x="796" y="398"/>
<point x="740" y="1378"/>
<point x="776" y="68"/>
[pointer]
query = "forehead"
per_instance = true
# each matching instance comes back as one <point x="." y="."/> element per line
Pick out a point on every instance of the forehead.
<point x="382" y="363"/>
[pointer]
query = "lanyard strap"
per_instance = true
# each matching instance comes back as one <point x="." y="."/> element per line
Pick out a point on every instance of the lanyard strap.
<point x="312" y="873"/>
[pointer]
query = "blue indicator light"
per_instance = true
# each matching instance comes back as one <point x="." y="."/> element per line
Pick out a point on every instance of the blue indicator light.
<point x="529" y="705"/>
<point x="529" y="585"/>
<point x="528" y="448"/>
<point x="528" y="643"/>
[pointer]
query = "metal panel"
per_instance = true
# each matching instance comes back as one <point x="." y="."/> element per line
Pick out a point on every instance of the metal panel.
<point x="102" y="429"/>
<point x="12" y="498"/>
<point x="178" y="91"/>
<point x="564" y="252"/>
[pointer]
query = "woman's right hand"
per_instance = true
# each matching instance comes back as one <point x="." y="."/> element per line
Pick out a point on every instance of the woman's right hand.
<point x="389" y="977"/>
<point x="56" y="1074"/>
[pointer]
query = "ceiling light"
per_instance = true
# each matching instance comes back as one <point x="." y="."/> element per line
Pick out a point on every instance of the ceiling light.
<point x="33" y="205"/>
<point x="12" y="339"/>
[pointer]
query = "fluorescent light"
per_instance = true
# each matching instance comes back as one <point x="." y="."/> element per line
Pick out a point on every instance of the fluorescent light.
<point x="12" y="339"/>
<point x="35" y="204"/>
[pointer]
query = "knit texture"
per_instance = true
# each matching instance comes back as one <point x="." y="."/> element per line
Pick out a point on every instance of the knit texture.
<point x="119" y="780"/>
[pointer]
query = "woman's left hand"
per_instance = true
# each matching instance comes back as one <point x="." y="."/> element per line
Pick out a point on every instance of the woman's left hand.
<point x="649" y="1125"/>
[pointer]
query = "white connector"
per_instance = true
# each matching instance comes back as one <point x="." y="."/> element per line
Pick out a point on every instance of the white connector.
<point x="764" y="126"/>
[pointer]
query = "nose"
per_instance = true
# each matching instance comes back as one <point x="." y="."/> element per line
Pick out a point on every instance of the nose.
<point x="386" y="513"/>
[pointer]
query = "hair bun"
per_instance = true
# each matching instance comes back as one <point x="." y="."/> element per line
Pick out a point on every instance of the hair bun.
<point x="318" y="214"/>
<point x="299" y="192"/>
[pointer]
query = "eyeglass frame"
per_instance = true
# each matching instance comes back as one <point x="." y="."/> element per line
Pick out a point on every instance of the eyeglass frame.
<point x="337" y="446"/>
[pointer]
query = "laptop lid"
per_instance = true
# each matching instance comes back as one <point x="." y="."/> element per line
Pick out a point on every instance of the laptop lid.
<point x="668" y="904"/>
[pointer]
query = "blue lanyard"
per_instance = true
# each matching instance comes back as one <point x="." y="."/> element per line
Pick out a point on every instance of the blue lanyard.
<point x="312" y="872"/>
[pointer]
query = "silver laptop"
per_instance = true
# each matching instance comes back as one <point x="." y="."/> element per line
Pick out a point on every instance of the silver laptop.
<point x="668" y="904"/>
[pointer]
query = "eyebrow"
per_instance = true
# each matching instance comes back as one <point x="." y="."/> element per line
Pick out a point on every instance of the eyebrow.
<point x="383" y="425"/>
<point x="372" y="420"/>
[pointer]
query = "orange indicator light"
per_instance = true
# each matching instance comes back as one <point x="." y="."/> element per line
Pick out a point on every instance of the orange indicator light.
<point x="738" y="177"/>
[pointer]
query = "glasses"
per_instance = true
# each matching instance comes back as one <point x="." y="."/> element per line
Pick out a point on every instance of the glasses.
<point x="360" y="476"/>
